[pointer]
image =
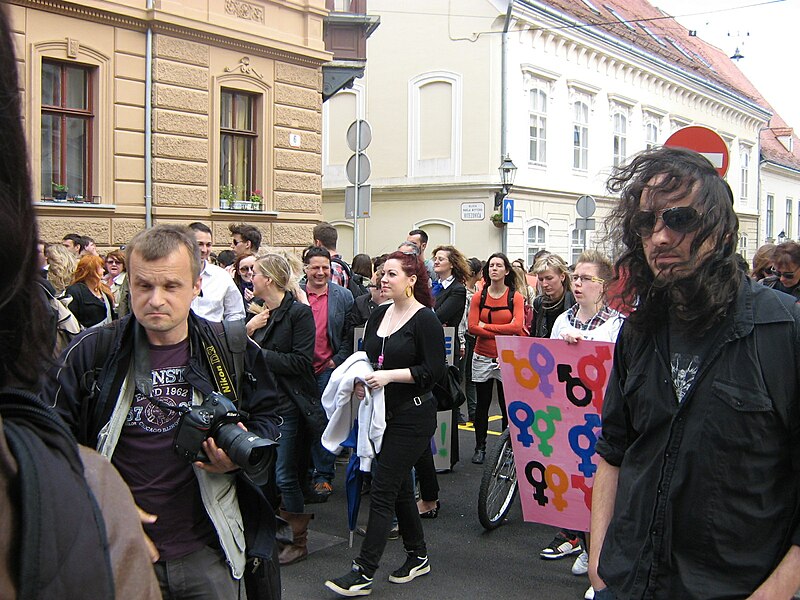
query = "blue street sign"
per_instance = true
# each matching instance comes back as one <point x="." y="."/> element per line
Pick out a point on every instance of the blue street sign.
<point x="508" y="210"/>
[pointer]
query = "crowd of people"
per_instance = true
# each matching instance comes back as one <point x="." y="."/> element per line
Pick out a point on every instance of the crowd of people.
<point x="302" y="313"/>
<point x="170" y="450"/>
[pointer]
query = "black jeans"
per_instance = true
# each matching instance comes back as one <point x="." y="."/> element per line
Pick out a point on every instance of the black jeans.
<point x="484" y="392"/>
<point x="426" y="476"/>
<point x="404" y="441"/>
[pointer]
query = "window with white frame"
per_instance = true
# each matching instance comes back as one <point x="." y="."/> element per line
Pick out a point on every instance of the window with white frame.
<point x="745" y="173"/>
<point x="742" y="248"/>
<point x="577" y="244"/>
<point x="620" y="138"/>
<point x="788" y="229"/>
<point x="650" y="135"/>
<point x="770" y="221"/>
<point x="797" y="237"/>
<point x="537" y="111"/>
<point x="537" y="238"/>
<point x="580" y="135"/>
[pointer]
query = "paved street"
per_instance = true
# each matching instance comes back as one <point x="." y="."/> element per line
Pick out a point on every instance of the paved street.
<point x="466" y="561"/>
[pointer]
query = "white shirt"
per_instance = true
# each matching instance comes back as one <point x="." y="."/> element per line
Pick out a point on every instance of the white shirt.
<point x="219" y="298"/>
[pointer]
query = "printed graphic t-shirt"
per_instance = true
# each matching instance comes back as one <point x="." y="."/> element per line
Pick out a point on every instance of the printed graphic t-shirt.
<point x="161" y="482"/>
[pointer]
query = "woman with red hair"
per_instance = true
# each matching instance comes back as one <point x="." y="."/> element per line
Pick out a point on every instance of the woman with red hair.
<point x="92" y="301"/>
<point x="404" y="341"/>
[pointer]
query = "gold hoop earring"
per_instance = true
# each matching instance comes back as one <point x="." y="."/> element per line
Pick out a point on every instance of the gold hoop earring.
<point x="409" y="291"/>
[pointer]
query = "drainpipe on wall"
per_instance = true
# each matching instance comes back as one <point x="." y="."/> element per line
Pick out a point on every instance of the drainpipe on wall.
<point x="504" y="102"/>
<point x="148" y="123"/>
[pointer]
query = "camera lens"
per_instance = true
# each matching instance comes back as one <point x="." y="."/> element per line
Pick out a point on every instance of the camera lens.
<point x="248" y="451"/>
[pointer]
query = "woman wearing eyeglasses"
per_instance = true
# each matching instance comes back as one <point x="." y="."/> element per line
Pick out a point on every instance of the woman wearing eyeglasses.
<point x="589" y="318"/>
<point x="115" y="274"/>
<point x="243" y="269"/>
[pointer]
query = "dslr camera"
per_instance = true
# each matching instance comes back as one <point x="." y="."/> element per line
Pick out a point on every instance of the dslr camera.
<point x="218" y="418"/>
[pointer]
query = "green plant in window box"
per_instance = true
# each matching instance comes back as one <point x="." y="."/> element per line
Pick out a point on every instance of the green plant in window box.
<point x="59" y="191"/>
<point x="256" y="199"/>
<point x="227" y="196"/>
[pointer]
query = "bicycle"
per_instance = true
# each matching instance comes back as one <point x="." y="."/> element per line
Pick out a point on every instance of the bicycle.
<point x="498" y="483"/>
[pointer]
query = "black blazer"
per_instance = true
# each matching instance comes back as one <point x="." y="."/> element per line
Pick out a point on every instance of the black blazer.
<point x="449" y="308"/>
<point x="87" y="308"/>
<point x="287" y="341"/>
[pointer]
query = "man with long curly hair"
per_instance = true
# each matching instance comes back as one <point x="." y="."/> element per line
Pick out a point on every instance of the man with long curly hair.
<point x="696" y="494"/>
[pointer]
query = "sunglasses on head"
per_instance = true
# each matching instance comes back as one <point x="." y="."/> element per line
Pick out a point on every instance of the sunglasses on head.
<point x="680" y="219"/>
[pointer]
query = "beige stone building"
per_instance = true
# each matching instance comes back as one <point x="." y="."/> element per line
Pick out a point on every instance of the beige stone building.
<point x="153" y="111"/>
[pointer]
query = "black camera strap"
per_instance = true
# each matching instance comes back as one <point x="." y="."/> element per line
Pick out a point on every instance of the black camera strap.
<point x="222" y="378"/>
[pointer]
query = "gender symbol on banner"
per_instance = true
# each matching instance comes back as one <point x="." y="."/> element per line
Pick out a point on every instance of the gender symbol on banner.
<point x="554" y="393"/>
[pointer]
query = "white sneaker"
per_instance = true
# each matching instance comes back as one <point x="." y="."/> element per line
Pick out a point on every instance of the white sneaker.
<point x="589" y="595"/>
<point x="581" y="564"/>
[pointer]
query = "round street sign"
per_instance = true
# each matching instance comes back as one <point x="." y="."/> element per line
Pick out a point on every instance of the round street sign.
<point x="359" y="139"/>
<point x="585" y="206"/>
<point x="364" y="169"/>
<point x="704" y="141"/>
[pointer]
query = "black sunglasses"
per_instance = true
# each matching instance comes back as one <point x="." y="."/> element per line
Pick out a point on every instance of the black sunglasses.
<point x="680" y="219"/>
<point x="783" y="274"/>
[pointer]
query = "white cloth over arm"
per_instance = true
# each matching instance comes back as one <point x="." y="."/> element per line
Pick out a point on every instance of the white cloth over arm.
<point x="342" y="408"/>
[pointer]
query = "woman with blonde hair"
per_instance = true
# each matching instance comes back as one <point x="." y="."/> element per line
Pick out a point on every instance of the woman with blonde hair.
<point x="62" y="264"/>
<point x="554" y="281"/>
<point x="285" y="330"/>
<point x="92" y="300"/>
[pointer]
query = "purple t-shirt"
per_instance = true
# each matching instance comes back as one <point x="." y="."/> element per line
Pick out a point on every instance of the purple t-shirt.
<point x="161" y="482"/>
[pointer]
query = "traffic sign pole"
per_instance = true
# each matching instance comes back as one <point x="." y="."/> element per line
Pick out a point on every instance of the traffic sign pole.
<point x="357" y="185"/>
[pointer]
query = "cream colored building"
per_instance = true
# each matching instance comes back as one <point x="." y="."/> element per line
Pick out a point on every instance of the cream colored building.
<point x="145" y="109"/>
<point x="572" y="88"/>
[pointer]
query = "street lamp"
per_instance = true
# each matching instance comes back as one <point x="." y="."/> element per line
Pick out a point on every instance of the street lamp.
<point x="507" y="173"/>
<point x="781" y="237"/>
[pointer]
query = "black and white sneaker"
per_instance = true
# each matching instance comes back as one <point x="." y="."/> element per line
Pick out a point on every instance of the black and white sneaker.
<point x="415" y="566"/>
<point x="354" y="583"/>
<point x="561" y="547"/>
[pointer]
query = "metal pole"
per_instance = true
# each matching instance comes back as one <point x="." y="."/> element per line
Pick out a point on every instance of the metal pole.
<point x="356" y="185"/>
<point x="503" y="105"/>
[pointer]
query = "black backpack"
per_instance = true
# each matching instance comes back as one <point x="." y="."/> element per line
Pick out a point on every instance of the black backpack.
<point x="62" y="549"/>
<point x="492" y="309"/>
<point x="357" y="284"/>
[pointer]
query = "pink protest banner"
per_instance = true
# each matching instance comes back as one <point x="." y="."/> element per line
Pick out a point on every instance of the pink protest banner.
<point x="554" y="395"/>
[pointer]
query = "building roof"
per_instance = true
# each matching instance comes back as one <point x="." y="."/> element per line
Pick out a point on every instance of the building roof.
<point x="641" y="24"/>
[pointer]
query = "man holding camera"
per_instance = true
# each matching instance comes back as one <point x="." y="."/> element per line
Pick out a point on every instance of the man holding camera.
<point x="146" y="392"/>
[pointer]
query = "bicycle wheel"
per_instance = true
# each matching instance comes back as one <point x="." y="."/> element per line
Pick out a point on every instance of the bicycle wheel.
<point x="498" y="484"/>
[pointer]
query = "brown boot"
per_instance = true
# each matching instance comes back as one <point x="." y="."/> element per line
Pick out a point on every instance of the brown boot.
<point x="297" y="551"/>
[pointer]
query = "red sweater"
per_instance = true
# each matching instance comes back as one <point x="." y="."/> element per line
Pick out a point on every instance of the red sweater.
<point x="503" y="322"/>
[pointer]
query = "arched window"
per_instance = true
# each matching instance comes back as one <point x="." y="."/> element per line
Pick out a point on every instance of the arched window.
<point x="650" y="135"/>
<point x="577" y="244"/>
<point x="536" y="241"/>
<point x="580" y="135"/>
<point x="435" y="124"/>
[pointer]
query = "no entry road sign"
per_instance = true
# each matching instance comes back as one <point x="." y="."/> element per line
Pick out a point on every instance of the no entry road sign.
<point x="704" y="141"/>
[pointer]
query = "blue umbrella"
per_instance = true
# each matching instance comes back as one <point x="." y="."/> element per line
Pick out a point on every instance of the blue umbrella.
<point x="353" y="481"/>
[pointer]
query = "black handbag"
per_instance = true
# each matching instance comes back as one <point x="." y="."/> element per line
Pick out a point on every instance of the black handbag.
<point x="311" y="410"/>
<point x="448" y="392"/>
